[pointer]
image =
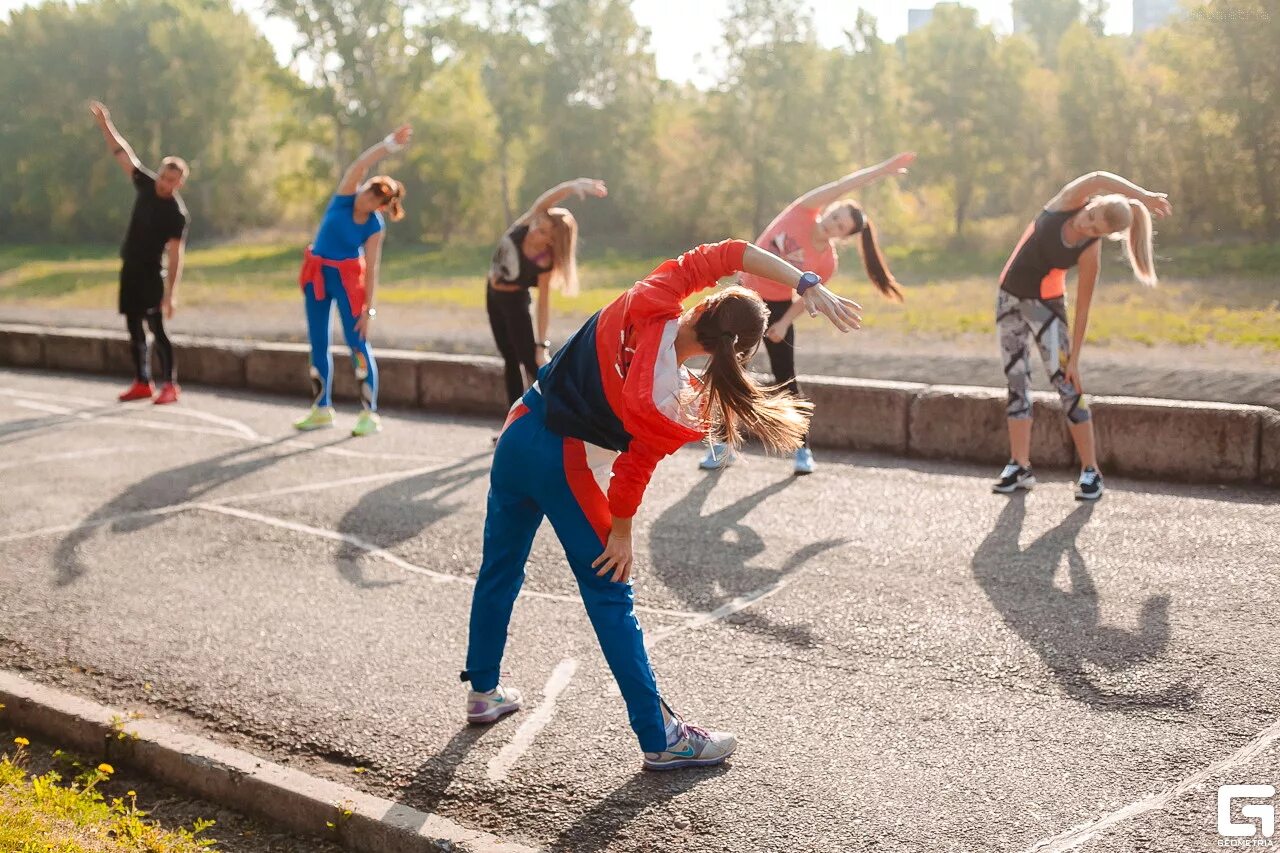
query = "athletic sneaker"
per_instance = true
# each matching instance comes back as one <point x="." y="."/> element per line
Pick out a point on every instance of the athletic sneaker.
<point x="1014" y="477"/>
<point x="168" y="394"/>
<point x="718" y="456"/>
<point x="692" y="746"/>
<point x="1089" y="487"/>
<point x="804" y="461"/>
<point x="136" y="391"/>
<point x="320" y="417"/>
<point x="484" y="708"/>
<point x="367" y="424"/>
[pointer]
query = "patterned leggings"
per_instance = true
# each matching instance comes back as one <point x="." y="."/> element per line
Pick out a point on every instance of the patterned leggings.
<point x="1017" y="321"/>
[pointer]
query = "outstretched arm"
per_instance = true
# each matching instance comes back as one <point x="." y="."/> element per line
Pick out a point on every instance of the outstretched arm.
<point x="119" y="149"/>
<point x="355" y="173"/>
<point x="843" y="313"/>
<point x="1076" y="193"/>
<point x="838" y="189"/>
<point x="581" y="187"/>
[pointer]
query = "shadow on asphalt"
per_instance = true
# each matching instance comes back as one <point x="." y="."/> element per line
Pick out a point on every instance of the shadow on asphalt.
<point x="645" y="791"/>
<point x="183" y="484"/>
<point x="400" y="511"/>
<point x="434" y="777"/>
<point x="704" y="558"/>
<point x="1064" y="626"/>
<point x="17" y="430"/>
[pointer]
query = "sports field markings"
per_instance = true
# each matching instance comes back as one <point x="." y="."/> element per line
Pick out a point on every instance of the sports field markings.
<point x="383" y="554"/>
<point x="500" y="765"/>
<point x="1077" y="835"/>
<point x="70" y="454"/>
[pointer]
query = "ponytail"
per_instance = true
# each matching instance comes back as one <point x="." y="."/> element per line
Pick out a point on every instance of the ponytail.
<point x="564" y="250"/>
<point x="730" y="330"/>
<point x="1130" y="221"/>
<point x="877" y="271"/>
<point x="1138" y="245"/>
<point x="872" y="258"/>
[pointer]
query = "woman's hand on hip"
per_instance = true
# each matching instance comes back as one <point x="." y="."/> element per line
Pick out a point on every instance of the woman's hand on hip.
<point x="616" y="558"/>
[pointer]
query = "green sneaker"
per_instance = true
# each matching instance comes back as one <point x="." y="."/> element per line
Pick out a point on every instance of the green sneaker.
<point x="367" y="424"/>
<point x="320" y="417"/>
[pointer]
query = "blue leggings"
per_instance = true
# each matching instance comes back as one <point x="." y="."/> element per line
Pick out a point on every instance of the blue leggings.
<point x="535" y="473"/>
<point x="318" y="313"/>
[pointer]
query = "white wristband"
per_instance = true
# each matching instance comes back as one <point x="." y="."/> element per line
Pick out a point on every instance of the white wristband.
<point x="391" y="144"/>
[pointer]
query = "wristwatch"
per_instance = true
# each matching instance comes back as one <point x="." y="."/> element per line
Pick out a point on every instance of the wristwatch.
<point x="371" y="312"/>
<point x="807" y="280"/>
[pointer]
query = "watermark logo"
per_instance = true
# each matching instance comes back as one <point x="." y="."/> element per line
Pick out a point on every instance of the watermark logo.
<point x="1257" y="819"/>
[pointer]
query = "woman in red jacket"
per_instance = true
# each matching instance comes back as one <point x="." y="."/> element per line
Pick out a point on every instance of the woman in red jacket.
<point x="582" y="443"/>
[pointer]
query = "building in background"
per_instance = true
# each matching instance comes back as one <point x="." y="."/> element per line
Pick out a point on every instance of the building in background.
<point x="917" y="18"/>
<point x="1149" y="14"/>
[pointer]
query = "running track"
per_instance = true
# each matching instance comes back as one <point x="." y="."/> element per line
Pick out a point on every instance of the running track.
<point x="911" y="662"/>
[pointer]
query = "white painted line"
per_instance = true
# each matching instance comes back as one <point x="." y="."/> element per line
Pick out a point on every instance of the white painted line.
<point x="71" y="454"/>
<point x="385" y="555"/>
<point x="500" y="765"/>
<point x="97" y="522"/>
<point x="725" y="610"/>
<point x="143" y="423"/>
<point x="1077" y="835"/>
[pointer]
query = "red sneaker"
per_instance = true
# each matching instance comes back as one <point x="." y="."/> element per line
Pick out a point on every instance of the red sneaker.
<point x="168" y="394"/>
<point x="136" y="391"/>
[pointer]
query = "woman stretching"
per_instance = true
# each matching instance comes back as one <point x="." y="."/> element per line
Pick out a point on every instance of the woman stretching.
<point x="539" y="250"/>
<point x="1032" y="302"/>
<point x="581" y="446"/>
<point x="806" y="233"/>
<point x="341" y="268"/>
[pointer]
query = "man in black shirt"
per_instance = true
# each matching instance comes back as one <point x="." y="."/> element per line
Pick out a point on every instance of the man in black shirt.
<point x="152" y="258"/>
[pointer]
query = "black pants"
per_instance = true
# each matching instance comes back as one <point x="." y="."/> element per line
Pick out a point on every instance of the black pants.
<point x="513" y="333"/>
<point x="138" y="346"/>
<point x="782" y="356"/>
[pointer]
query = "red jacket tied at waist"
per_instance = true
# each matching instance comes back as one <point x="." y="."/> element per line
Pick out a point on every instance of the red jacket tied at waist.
<point x="351" y="271"/>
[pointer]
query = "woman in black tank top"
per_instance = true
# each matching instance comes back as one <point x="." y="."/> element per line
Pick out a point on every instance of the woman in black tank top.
<point x="1032" y="306"/>
<point x="538" y="250"/>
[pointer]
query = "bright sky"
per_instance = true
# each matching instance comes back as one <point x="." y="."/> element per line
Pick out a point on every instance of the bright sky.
<point x="684" y="33"/>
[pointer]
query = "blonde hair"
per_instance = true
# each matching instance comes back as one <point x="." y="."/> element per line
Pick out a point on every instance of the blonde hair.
<point x="1128" y="220"/>
<point x="564" y="250"/>
<point x="172" y="162"/>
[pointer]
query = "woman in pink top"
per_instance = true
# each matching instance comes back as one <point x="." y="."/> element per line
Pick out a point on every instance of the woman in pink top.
<point x="805" y="234"/>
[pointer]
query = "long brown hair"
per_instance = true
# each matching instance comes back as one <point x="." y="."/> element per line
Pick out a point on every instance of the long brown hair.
<point x="1130" y="221"/>
<point x="872" y="258"/>
<point x="564" y="250"/>
<point x="730" y="329"/>
<point x="391" y="192"/>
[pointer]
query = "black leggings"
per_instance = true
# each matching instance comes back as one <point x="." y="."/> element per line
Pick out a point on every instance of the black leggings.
<point x="513" y="333"/>
<point x="782" y="356"/>
<point x="138" y="346"/>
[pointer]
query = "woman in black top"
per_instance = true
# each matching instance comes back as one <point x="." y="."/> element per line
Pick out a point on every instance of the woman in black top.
<point x="1032" y="304"/>
<point x="538" y="250"/>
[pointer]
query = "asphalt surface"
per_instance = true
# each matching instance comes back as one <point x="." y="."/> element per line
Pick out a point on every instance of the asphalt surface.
<point x="909" y="661"/>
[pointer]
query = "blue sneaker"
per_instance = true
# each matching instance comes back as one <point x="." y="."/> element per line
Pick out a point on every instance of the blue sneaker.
<point x="804" y="461"/>
<point x="718" y="456"/>
<point x="692" y="746"/>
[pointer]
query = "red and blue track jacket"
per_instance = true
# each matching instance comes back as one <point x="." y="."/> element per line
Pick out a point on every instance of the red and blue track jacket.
<point x="599" y="386"/>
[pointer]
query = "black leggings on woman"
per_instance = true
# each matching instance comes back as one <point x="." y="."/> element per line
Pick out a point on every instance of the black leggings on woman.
<point x="782" y="356"/>
<point x="513" y="333"/>
<point x="138" y="346"/>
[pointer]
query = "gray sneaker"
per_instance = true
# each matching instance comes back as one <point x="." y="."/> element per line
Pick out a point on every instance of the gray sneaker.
<point x="693" y="747"/>
<point x="484" y="708"/>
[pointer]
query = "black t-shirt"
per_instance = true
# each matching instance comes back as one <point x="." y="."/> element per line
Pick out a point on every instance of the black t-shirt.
<point x="509" y="264"/>
<point x="1037" y="268"/>
<point x="154" y="222"/>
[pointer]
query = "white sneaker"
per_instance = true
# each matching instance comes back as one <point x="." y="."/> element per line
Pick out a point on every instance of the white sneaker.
<point x="718" y="456"/>
<point x="692" y="747"/>
<point x="1089" y="486"/>
<point x="1012" y="478"/>
<point x="483" y="708"/>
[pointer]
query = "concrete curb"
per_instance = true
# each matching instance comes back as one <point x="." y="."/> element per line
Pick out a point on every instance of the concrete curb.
<point x="236" y="779"/>
<point x="1138" y="437"/>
